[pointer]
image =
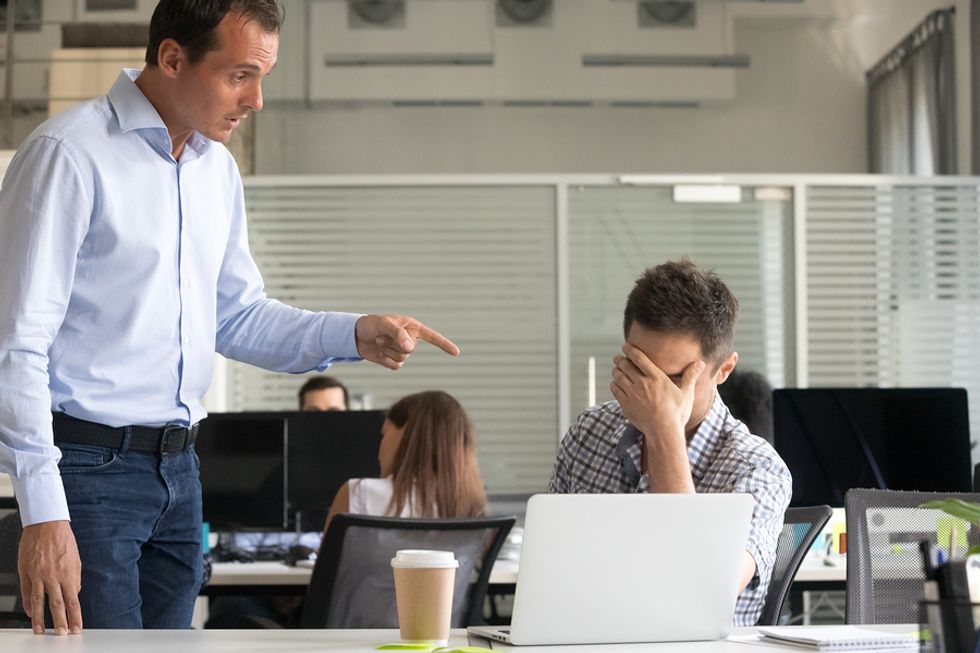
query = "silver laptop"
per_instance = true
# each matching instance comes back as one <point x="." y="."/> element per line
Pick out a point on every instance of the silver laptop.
<point x="617" y="568"/>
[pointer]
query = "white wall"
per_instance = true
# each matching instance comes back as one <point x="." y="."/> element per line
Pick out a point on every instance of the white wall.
<point x="800" y="107"/>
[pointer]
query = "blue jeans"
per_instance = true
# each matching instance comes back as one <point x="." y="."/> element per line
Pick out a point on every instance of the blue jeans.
<point x="137" y="520"/>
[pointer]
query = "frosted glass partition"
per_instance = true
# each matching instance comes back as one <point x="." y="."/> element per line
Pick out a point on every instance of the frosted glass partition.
<point x="476" y="263"/>
<point x="616" y="232"/>
<point x="843" y="280"/>
<point x="893" y="287"/>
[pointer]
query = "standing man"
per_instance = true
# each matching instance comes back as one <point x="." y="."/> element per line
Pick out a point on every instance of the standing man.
<point x="667" y="430"/>
<point x="323" y="393"/>
<point x="124" y="266"/>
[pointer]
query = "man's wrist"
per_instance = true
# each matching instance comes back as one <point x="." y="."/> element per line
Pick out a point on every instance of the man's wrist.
<point x="664" y="436"/>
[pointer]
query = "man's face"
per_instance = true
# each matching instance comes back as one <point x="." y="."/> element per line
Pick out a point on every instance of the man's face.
<point x="323" y="400"/>
<point x="215" y="94"/>
<point x="673" y="353"/>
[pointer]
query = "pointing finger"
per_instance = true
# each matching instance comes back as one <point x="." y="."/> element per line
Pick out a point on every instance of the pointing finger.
<point x="435" y="338"/>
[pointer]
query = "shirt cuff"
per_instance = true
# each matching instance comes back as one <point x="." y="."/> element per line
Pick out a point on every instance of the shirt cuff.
<point x="41" y="498"/>
<point x="338" y="339"/>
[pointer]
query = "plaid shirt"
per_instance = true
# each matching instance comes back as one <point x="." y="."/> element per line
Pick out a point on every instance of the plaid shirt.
<point x="601" y="454"/>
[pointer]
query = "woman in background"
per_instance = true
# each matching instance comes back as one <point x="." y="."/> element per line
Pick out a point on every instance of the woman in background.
<point x="428" y="465"/>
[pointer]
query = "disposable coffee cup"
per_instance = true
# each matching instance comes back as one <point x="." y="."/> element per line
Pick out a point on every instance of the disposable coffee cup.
<point x="424" y="582"/>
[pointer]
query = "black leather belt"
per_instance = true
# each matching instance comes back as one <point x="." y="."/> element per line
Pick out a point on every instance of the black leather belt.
<point x="161" y="439"/>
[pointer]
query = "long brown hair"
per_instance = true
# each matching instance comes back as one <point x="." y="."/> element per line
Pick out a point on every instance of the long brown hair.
<point x="436" y="459"/>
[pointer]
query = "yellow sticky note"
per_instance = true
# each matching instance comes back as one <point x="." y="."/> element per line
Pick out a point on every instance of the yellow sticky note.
<point x="950" y="529"/>
<point x="839" y="527"/>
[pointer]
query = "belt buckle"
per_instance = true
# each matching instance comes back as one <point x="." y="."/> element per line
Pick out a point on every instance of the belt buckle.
<point x="169" y="430"/>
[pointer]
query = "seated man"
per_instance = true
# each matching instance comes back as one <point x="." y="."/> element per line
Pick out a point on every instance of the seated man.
<point x="323" y="393"/>
<point x="667" y="430"/>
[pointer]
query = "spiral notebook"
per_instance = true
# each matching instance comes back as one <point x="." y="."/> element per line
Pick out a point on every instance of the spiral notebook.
<point x="840" y="638"/>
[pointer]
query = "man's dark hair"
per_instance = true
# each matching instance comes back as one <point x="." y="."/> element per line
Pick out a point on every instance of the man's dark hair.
<point x="192" y="23"/>
<point x="322" y="383"/>
<point x="678" y="297"/>
<point x="748" y="396"/>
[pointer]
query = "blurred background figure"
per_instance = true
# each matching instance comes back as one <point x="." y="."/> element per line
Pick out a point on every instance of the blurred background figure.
<point x="428" y="464"/>
<point x="323" y="393"/>
<point x="748" y="396"/>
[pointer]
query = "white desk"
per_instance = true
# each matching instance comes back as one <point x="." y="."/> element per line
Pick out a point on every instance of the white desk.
<point x="821" y="573"/>
<point x="201" y="641"/>
<point x="338" y="641"/>
<point x="504" y="572"/>
<point x="271" y="572"/>
<point x="252" y="574"/>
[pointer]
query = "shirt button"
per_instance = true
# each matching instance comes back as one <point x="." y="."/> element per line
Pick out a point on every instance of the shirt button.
<point x="186" y="283"/>
<point x="186" y="340"/>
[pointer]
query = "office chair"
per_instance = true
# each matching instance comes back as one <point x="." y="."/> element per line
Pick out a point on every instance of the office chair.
<point x="12" y="614"/>
<point x="352" y="585"/>
<point x="976" y="477"/>
<point x="884" y="564"/>
<point x="800" y="528"/>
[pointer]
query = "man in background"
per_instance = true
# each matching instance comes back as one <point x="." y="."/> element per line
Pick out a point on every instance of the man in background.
<point x="323" y="393"/>
<point x="749" y="396"/>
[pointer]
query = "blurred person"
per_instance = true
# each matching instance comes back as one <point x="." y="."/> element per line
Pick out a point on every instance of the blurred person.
<point x="323" y="393"/>
<point x="428" y="464"/>
<point x="748" y="396"/>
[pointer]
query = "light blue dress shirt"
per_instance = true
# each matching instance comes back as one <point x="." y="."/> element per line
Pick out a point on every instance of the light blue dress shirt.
<point x="122" y="271"/>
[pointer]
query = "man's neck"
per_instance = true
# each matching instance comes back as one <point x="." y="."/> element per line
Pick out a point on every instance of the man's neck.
<point x="152" y="86"/>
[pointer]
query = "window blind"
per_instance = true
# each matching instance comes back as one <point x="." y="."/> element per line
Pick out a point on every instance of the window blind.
<point x="477" y="263"/>
<point x="893" y="283"/>
<point x="615" y="233"/>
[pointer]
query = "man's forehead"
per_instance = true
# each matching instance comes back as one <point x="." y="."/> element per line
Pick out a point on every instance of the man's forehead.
<point x="671" y="352"/>
<point x="246" y="40"/>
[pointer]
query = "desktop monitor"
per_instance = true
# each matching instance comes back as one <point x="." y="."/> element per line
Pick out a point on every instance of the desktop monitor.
<point x="835" y="439"/>
<point x="242" y="457"/>
<point x="325" y="450"/>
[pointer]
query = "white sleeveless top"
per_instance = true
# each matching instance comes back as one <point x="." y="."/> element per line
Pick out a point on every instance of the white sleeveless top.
<point x="372" y="496"/>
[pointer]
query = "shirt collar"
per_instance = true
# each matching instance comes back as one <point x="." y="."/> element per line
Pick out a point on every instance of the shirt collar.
<point x="135" y="112"/>
<point x="700" y="450"/>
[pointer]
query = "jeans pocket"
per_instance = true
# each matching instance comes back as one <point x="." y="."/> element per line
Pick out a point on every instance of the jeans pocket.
<point x="83" y="458"/>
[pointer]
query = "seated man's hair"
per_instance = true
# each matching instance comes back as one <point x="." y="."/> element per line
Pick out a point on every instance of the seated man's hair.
<point x="322" y="383"/>
<point x="678" y="297"/>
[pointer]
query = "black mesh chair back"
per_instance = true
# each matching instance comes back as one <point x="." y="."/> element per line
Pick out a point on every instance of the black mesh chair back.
<point x="353" y="585"/>
<point x="800" y="528"/>
<point x="884" y="563"/>
<point x="11" y="607"/>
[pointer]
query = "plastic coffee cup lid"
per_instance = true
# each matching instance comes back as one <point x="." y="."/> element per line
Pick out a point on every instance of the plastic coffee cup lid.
<point x="423" y="558"/>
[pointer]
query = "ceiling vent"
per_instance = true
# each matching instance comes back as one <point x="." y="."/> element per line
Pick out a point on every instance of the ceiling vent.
<point x="511" y="13"/>
<point x="666" y="13"/>
<point x="375" y="13"/>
